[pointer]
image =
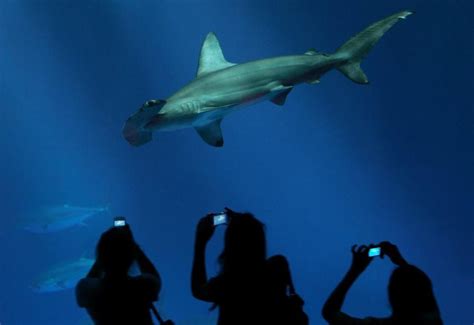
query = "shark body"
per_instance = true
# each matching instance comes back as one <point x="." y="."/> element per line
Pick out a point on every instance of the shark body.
<point x="62" y="276"/>
<point x="60" y="217"/>
<point x="221" y="87"/>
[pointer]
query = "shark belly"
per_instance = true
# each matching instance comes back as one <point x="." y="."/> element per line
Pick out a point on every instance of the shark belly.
<point x="231" y="102"/>
<point x="214" y="97"/>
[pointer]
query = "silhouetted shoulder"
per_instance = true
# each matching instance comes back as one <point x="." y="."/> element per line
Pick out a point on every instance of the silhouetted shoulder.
<point x="277" y="274"/>
<point x="277" y="264"/>
<point x="87" y="290"/>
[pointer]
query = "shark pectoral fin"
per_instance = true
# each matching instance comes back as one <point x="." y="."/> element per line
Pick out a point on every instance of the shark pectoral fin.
<point x="211" y="133"/>
<point x="212" y="58"/>
<point x="281" y="97"/>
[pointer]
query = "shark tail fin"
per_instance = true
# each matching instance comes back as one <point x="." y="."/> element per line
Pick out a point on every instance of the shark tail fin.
<point x="357" y="48"/>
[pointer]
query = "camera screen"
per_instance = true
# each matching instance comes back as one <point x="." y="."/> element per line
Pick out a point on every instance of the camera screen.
<point x="119" y="223"/>
<point x="374" y="251"/>
<point x="220" y="219"/>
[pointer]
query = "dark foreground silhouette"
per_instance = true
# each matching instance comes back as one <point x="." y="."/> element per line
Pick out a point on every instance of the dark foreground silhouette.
<point x="410" y="292"/>
<point x="250" y="289"/>
<point x="109" y="294"/>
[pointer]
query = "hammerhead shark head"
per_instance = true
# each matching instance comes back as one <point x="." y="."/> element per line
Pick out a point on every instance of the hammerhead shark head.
<point x="221" y="87"/>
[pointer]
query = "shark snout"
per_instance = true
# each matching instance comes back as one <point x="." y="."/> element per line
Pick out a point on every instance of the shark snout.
<point x="154" y="121"/>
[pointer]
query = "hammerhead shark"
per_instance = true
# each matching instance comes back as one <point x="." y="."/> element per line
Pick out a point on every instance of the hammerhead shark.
<point x="221" y="87"/>
<point x="62" y="276"/>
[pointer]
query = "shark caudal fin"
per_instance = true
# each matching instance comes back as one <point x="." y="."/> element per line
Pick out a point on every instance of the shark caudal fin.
<point x="357" y="48"/>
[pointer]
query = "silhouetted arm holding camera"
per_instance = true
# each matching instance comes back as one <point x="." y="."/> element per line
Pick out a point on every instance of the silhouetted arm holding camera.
<point x="144" y="263"/>
<point x="199" y="280"/>
<point x="391" y="250"/>
<point x="149" y="274"/>
<point x="360" y="260"/>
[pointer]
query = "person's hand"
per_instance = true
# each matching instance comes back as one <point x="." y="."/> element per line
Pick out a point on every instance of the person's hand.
<point x="389" y="249"/>
<point x="360" y="258"/>
<point x="230" y="213"/>
<point x="205" y="229"/>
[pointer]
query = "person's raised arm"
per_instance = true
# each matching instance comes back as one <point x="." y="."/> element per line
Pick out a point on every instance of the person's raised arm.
<point x="360" y="261"/>
<point x="144" y="263"/>
<point x="389" y="249"/>
<point x="204" y="232"/>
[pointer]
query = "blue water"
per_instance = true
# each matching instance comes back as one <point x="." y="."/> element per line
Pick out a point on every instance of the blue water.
<point x="339" y="164"/>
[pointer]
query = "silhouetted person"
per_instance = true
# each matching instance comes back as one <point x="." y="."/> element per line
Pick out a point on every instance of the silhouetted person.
<point x="249" y="289"/>
<point x="410" y="292"/>
<point x="109" y="294"/>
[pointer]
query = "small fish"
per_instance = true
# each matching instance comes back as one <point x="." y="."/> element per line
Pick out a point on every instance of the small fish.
<point x="62" y="276"/>
<point x="57" y="218"/>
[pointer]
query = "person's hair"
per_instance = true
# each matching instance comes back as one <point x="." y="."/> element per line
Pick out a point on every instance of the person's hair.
<point x="245" y="248"/>
<point x="411" y="295"/>
<point x="116" y="251"/>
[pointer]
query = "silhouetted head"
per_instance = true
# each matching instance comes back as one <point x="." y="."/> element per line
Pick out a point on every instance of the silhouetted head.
<point x="116" y="251"/>
<point x="411" y="294"/>
<point x="244" y="244"/>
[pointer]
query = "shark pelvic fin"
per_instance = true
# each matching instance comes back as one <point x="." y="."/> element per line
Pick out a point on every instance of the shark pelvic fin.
<point x="281" y="97"/>
<point x="354" y="72"/>
<point x="212" y="58"/>
<point x="211" y="133"/>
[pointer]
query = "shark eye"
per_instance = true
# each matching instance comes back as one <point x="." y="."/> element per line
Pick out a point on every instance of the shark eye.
<point x="150" y="103"/>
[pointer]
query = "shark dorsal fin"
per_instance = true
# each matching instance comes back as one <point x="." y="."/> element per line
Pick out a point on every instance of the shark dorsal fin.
<point x="211" y="58"/>
<point x="211" y="133"/>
